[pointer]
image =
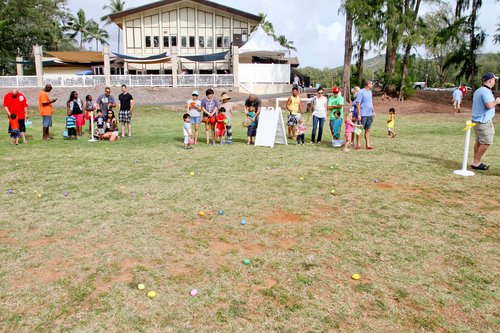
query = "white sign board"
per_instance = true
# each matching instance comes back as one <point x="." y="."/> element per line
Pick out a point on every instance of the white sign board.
<point x="271" y="128"/>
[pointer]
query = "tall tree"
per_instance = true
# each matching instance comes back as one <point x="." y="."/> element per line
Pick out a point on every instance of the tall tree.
<point x="115" y="6"/>
<point x="348" y="8"/>
<point x="394" y="16"/>
<point x="466" y="55"/>
<point x="286" y="43"/>
<point x="411" y="9"/>
<point x="496" y="37"/>
<point x="95" y="32"/>
<point x="78" y="25"/>
<point x="368" y="25"/>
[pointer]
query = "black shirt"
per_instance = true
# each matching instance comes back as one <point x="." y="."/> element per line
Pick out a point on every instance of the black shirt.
<point x="125" y="99"/>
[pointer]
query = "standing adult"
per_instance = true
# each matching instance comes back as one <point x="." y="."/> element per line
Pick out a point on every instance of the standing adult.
<point x="366" y="112"/>
<point x="75" y="105"/>
<point x="296" y="81"/>
<point x="125" y="114"/>
<point x="253" y="101"/>
<point x="483" y="111"/>
<point x="335" y="103"/>
<point x="46" y="110"/>
<point x="193" y="107"/>
<point x="106" y="102"/>
<point x="457" y="99"/>
<point x="294" y="106"/>
<point x="319" y="115"/>
<point x="16" y="103"/>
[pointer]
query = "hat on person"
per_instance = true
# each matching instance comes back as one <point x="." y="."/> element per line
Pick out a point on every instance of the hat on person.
<point x="225" y="96"/>
<point x="336" y="90"/>
<point x="195" y="92"/>
<point x="489" y="76"/>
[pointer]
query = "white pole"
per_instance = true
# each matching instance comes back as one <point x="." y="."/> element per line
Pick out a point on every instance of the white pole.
<point x="464" y="172"/>
<point x="92" y="127"/>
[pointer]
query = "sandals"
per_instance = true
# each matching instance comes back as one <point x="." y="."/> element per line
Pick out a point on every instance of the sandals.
<point x="481" y="166"/>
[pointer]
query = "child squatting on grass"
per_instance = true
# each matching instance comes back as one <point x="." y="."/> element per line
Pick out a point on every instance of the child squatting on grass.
<point x="221" y="125"/>
<point x="15" y="133"/>
<point x="390" y="123"/>
<point x="188" y="134"/>
<point x="301" y="130"/>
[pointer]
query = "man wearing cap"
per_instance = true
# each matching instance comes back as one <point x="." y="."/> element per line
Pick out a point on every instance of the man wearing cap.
<point x="15" y="102"/>
<point x="228" y="106"/>
<point x="366" y="113"/>
<point x="335" y="103"/>
<point x="483" y="111"/>
<point x="125" y="114"/>
<point x="193" y="107"/>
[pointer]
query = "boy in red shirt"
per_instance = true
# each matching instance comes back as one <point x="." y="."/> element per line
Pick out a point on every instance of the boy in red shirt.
<point x="14" y="129"/>
<point x="221" y="125"/>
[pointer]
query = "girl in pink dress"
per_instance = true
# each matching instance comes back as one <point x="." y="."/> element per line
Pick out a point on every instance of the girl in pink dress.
<point x="349" y="129"/>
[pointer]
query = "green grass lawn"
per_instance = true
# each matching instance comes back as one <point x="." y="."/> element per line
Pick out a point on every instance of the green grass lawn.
<point x="424" y="241"/>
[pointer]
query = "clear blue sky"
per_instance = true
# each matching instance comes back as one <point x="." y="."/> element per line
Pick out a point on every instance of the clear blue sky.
<point x="315" y="27"/>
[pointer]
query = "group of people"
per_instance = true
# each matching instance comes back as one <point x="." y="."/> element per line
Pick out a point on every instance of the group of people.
<point x="78" y="112"/>
<point x="217" y="115"/>
<point x="359" y="115"/>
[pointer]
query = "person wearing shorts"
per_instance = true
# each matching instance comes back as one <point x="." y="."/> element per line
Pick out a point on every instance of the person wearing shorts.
<point x="16" y="103"/>
<point x="483" y="111"/>
<point x="46" y="110"/>
<point x="209" y="106"/>
<point x="366" y="112"/>
<point x="125" y="114"/>
<point x="193" y="108"/>
<point x="457" y="100"/>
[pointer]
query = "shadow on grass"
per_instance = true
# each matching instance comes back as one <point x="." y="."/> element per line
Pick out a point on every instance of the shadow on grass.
<point x="449" y="164"/>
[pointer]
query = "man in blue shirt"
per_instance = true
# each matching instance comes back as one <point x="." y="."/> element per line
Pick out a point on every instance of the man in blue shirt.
<point x="483" y="111"/>
<point x="366" y="113"/>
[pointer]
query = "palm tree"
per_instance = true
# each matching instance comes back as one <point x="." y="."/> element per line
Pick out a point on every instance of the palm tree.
<point x="114" y="6"/>
<point x="286" y="43"/>
<point x="96" y="33"/>
<point x="267" y="25"/>
<point x="78" y="25"/>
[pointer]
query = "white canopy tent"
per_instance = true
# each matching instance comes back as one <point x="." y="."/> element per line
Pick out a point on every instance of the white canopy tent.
<point x="260" y="44"/>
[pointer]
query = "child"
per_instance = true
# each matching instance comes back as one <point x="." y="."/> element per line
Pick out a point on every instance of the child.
<point x="301" y="129"/>
<point x="15" y="133"/>
<point x="226" y="104"/>
<point x="71" y="125"/>
<point x="390" y="123"/>
<point x="221" y="126"/>
<point x="252" y="129"/>
<point x="100" y="120"/>
<point x="209" y="107"/>
<point x="89" y="109"/>
<point x="188" y="134"/>
<point x="194" y="108"/>
<point x="337" y="125"/>
<point x="349" y="129"/>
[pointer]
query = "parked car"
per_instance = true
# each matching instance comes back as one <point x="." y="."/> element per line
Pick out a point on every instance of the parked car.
<point x="419" y="85"/>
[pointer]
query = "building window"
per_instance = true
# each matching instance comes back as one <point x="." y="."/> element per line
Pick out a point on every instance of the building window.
<point x="165" y="41"/>
<point x="201" y="41"/>
<point x="227" y="41"/>
<point x="156" y="41"/>
<point x="210" y="42"/>
<point x="183" y="41"/>
<point x="174" y="41"/>
<point x="219" y="41"/>
<point x="148" y="41"/>
<point x="191" y="41"/>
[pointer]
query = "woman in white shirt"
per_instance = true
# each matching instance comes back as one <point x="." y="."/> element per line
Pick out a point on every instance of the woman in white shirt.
<point x="319" y="115"/>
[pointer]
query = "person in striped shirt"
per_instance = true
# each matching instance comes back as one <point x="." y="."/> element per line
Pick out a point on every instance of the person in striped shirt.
<point x="71" y="125"/>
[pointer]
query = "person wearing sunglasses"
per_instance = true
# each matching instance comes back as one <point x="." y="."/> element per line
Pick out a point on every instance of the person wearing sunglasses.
<point x="111" y="127"/>
<point x="319" y="115"/>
